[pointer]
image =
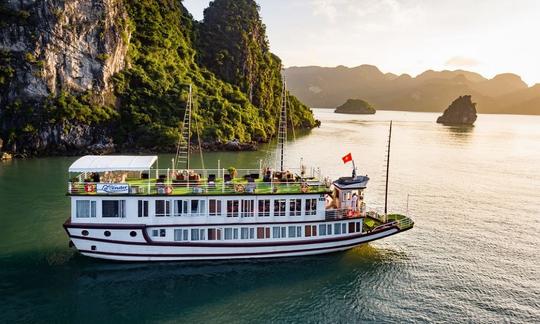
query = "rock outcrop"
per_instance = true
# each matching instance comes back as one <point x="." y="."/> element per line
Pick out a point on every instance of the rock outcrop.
<point x="49" y="47"/>
<point x="355" y="106"/>
<point x="58" y="45"/>
<point x="462" y="111"/>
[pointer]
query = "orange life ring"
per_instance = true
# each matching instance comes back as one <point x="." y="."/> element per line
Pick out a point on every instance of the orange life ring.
<point x="89" y="187"/>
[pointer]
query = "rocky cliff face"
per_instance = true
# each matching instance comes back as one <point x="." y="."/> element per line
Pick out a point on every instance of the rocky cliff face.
<point x="53" y="46"/>
<point x="63" y="45"/>
<point x="462" y="111"/>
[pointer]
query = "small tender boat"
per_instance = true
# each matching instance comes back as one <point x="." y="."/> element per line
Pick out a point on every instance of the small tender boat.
<point x="125" y="208"/>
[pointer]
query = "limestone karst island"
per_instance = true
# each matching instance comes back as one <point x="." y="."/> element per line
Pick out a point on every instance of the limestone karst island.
<point x="462" y="111"/>
<point x="355" y="106"/>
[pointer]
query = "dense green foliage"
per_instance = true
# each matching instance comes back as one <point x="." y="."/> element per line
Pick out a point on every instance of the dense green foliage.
<point x="167" y="53"/>
<point x="355" y="106"/>
<point x="153" y="92"/>
<point x="236" y="81"/>
<point x="233" y="45"/>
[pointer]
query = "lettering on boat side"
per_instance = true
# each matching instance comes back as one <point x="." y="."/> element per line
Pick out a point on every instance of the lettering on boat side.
<point x="110" y="188"/>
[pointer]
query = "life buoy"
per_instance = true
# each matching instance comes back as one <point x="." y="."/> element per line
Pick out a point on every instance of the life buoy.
<point x="89" y="187"/>
<point x="239" y="188"/>
<point x="304" y="187"/>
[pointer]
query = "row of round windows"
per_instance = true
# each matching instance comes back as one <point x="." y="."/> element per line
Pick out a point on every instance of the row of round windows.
<point x="108" y="233"/>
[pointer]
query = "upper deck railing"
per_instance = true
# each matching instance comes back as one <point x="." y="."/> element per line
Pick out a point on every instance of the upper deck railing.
<point x="196" y="182"/>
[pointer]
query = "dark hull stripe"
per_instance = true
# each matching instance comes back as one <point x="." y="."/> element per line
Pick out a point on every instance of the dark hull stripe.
<point x="313" y="193"/>
<point x="68" y="224"/>
<point x="230" y="245"/>
<point x="169" y="255"/>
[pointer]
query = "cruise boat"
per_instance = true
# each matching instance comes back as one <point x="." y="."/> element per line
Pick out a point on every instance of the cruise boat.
<point x="126" y="208"/>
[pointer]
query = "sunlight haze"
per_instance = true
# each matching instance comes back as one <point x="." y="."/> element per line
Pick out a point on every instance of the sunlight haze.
<point x="484" y="36"/>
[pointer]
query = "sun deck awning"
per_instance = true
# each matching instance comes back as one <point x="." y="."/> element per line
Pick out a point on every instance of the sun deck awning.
<point x="102" y="163"/>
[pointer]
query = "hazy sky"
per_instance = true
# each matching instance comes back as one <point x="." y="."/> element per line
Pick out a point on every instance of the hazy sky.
<point x="405" y="36"/>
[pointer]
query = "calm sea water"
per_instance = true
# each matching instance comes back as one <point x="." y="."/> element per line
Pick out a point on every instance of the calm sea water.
<point x="473" y="256"/>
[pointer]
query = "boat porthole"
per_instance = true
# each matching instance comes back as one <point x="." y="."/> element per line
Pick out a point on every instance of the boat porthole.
<point x="93" y="248"/>
<point x="132" y="233"/>
<point x="107" y="233"/>
<point x="84" y="233"/>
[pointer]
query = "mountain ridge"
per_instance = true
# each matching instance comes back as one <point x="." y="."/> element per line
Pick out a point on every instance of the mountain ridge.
<point x="428" y="91"/>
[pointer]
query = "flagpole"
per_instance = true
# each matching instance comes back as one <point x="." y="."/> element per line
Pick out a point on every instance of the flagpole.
<point x="353" y="170"/>
<point x="387" y="171"/>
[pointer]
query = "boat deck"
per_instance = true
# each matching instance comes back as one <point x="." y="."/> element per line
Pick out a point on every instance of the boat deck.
<point x="200" y="187"/>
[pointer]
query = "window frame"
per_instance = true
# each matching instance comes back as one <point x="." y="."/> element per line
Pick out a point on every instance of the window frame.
<point x="121" y="209"/>
<point x="92" y="208"/>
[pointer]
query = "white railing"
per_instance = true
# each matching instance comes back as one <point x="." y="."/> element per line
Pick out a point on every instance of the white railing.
<point x="153" y="187"/>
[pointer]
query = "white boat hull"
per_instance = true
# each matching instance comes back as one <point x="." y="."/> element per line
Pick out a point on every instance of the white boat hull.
<point x="142" y="248"/>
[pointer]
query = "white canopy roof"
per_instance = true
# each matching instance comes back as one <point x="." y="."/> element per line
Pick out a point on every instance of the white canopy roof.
<point x="102" y="163"/>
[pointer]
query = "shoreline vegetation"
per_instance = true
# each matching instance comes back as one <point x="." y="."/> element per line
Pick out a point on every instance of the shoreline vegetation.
<point x="116" y="78"/>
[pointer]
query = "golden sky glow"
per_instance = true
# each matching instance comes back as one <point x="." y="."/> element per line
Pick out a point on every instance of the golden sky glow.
<point x="405" y="36"/>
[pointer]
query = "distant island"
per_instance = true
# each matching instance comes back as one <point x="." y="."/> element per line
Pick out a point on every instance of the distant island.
<point x="355" y="106"/>
<point x="462" y="111"/>
<point x="326" y="87"/>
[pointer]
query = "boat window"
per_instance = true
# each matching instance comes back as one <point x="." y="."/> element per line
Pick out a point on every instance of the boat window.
<point x="279" y="207"/>
<point x="163" y="208"/>
<point x="228" y="233"/>
<point x="358" y="227"/>
<point x="263" y="232"/>
<point x="264" y="207"/>
<point x="295" y="207"/>
<point x="322" y="229"/>
<point x="214" y="234"/>
<point x="198" y="234"/>
<point x="155" y="232"/>
<point x="142" y="208"/>
<point x="232" y="208"/>
<point x="85" y="208"/>
<point x="308" y="231"/>
<point x="197" y="207"/>
<point x="337" y="228"/>
<point x="113" y="208"/>
<point x="343" y="228"/>
<point x="162" y="232"/>
<point x="279" y="232"/>
<point x="295" y="231"/>
<point x="311" y="206"/>
<point x="329" y="229"/>
<point x="248" y="208"/>
<point x="181" y="235"/>
<point x="244" y="233"/>
<point x="179" y="207"/>
<point x="214" y="207"/>
<point x="351" y="227"/>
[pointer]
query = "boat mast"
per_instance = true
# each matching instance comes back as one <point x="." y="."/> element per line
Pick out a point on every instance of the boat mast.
<point x="282" y="130"/>
<point x="182" y="149"/>
<point x="387" y="171"/>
